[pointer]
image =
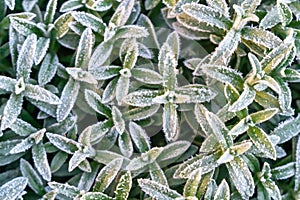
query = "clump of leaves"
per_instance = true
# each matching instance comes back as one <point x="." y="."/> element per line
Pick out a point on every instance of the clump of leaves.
<point x="187" y="99"/>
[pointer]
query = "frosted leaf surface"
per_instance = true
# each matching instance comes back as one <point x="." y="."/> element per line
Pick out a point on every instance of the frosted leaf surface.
<point x="13" y="189"/>
<point x="80" y="75"/>
<point x="297" y="166"/>
<point x="24" y="27"/>
<point x="42" y="47"/>
<point x="173" y="151"/>
<point x="7" y="84"/>
<point x="170" y="122"/>
<point x="192" y="184"/>
<point x="40" y="94"/>
<point x="139" y="137"/>
<point x="125" y="144"/>
<point x="244" y="100"/>
<point x="71" y="5"/>
<point x="124" y="186"/>
<point x="146" y="76"/>
<point x="105" y="72"/>
<point x="141" y="98"/>
<point x="61" y="24"/>
<point x="90" y="21"/>
<point x="223" y="191"/>
<point x="65" y="189"/>
<point x="41" y="161"/>
<point x="63" y="143"/>
<point x="140" y="112"/>
<point x="94" y="101"/>
<point x="100" y="55"/>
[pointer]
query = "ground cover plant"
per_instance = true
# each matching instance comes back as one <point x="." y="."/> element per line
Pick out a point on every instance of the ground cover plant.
<point x="154" y="99"/>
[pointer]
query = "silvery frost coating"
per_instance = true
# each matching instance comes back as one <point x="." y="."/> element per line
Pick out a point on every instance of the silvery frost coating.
<point x="154" y="99"/>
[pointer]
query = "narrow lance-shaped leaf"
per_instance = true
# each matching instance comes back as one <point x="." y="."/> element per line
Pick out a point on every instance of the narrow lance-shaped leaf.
<point x="84" y="50"/>
<point x="146" y="76"/>
<point x="13" y="189"/>
<point x="139" y="137"/>
<point x="24" y="27"/>
<point x="284" y="171"/>
<point x="7" y="84"/>
<point x="94" y="101"/>
<point x="192" y="184"/>
<point x="285" y="13"/>
<point x="123" y="85"/>
<point x="125" y="144"/>
<point x="34" y="180"/>
<point x="26" y="57"/>
<point x="245" y="99"/>
<point x="223" y="191"/>
<point x="12" y="110"/>
<point x="122" y="13"/>
<point x="100" y="55"/>
<point x="41" y="49"/>
<point x="58" y="160"/>
<point x="65" y="189"/>
<point x="118" y="120"/>
<point x="124" y="186"/>
<point x="220" y="5"/>
<point x="157" y="191"/>
<point x="261" y="140"/>
<point x="68" y="98"/>
<point x="62" y="24"/>
<point x="63" y="143"/>
<point x="80" y="75"/>
<point x="170" y="122"/>
<point x="50" y="11"/>
<point x="142" y="98"/>
<point x="297" y="166"/>
<point x="107" y="175"/>
<point x="140" y="113"/>
<point x="157" y="174"/>
<point x="41" y="161"/>
<point x="244" y="183"/>
<point x="285" y="98"/>
<point x="40" y="94"/>
<point x="48" y="69"/>
<point x="173" y="151"/>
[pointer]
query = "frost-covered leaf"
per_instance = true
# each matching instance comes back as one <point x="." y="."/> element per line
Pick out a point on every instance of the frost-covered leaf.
<point x="223" y="191"/>
<point x="7" y="84"/>
<point x="10" y="3"/>
<point x="63" y="143"/>
<point x="285" y="13"/>
<point x="122" y="13"/>
<point x="50" y="11"/>
<point x="48" y="69"/>
<point x="207" y="15"/>
<point x="157" y="174"/>
<point x="287" y="129"/>
<point x="70" y="5"/>
<point x="26" y="57"/>
<point x="34" y="180"/>
<point x="150" y="4"/>
<point x="284" y="171"/>
<point x="42" y="46"/>
<point x="80" y="75"/>
<point x="22" y="128"/>
<point x="84" y="49"/>
<point x="68" y="98"/>
<point x="100" y="55"/>
<point x="94" y="101"/>
<point x="191" y="186"/>
<point x="41" y="161"/>
<point x="105" y="72"/>
<point x="95" y="196"/>
<point x="173" y="151"/>
<point x="130" y="31"/>
<point x="219" y="129"/>
<point x="291" y="75"/>
<point x="140" y="113"/>
<point x="220" y="5"/>
<point x="12" y="110"/>
<point x="24" y="27"/>
<point x="146" y="76"/>
<point x="22" y="146"/>
<point x="123" y="85"/>
<point x="263" y="115"/>
<point x="188" y="33"/>
<point x="139" y="137"/>
<point x="141" y="98"/>
<point x="244" y="100"/>
<point x="151" y="41"/>
<point x="241" y="177"/>
<point x="124" y="186"/>
<point x="65" y="189"/>
<point x="13" y="189"/>
<point x="107" y="175"/>
<point x="157" y="191"/>
<point x="261" y="140"/>
<point x="76" y="159"/>
<point x="285" y="98"/>
<point x="58" y="160"/>
<point x="40" y="94"/>
<point x="223" y="74"/>
<point x="90" y="21"/>
<point x="125" y="144"/>
<point x="193" y="93"/>
<point x="6" y="146"/>
<point x="170" y="122"/>
<point x="118" y="120"/>
<point x="62" y="24"/>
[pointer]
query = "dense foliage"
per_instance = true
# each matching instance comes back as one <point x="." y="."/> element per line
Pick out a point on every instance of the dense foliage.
<point x="130" y="99"/>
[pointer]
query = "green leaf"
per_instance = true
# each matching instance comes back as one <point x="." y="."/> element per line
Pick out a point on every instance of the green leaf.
<point x="207" y="15"/>
<point x="223" y="191"/>
<point x="24" y="27"/>
<point x="105" y="72"/>
<point x="263" y="115"/>
<point x="140" y="113"/>
<point x="122" y="87"/>
<point x="170" y="122"/>
<point x="244" y="183"/>
<point x="284" y="171"/>
<point x="100" y="55"/>
<point x="139" y="137"/>
<point x="13" y="189"/>
<point x="287" y="129"/>
<point x="193" y="93"/>
<point x="285" y="98"/>
<point x="125" y="144"/>
<point x="34" y="180"/>
<point x="188" y="33"/>
<point x="122" y="13"/>
<point x="124" y="186"/>
<point x="285" y="13"/>
<point x="68" y="98"/>
<point x="58" y="160"/>
<point x="84" y="49"/>
<point x="107" y="175"/>
<point x="12" y="110"/>
<point x="223" y="74"/>
<point x="146" y="76"/>
<point x="50" y="11"/>
<point x="157" y="174"/>
<point x="100" y="5"/>
<point x="63" y="143"/>
<point x="118" y="120"/>
<point x="150" y="41"/>
<point x="41" y="161"/>
<point x="244" y="100"/>
<point x="291" y="75"/>
<point x="157" y="191"/>
<point x="80" y="75"/>
<point x="6" y="146"/>
<point x="297" y="166"/>
<point x="94" y="101"/>
<point x="42" y="47"/>
<point x="141" y="98"/>
<point x="220" y="5"/>
<point x="65" y="189"/>
<point x="191" y="186"/>
<point x="7" y="84"/>
<point x="22" y="128"/>
<point x="261" y="37"/>
<point x="219" y="129"/>
<point x="95" y="196"/>
<point x="90" y="21"/>
<point x="40" y="94"/>
<point x="130" y="31"/>
<point x="70" y="5"/>
<point x="150" y="4"/>
<point x="266" y="100"/>
<point x="261" y="140"/>
<point x="48" y="69"/>
<point x="62" y="23"/>
<point x="26" y="58"/>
